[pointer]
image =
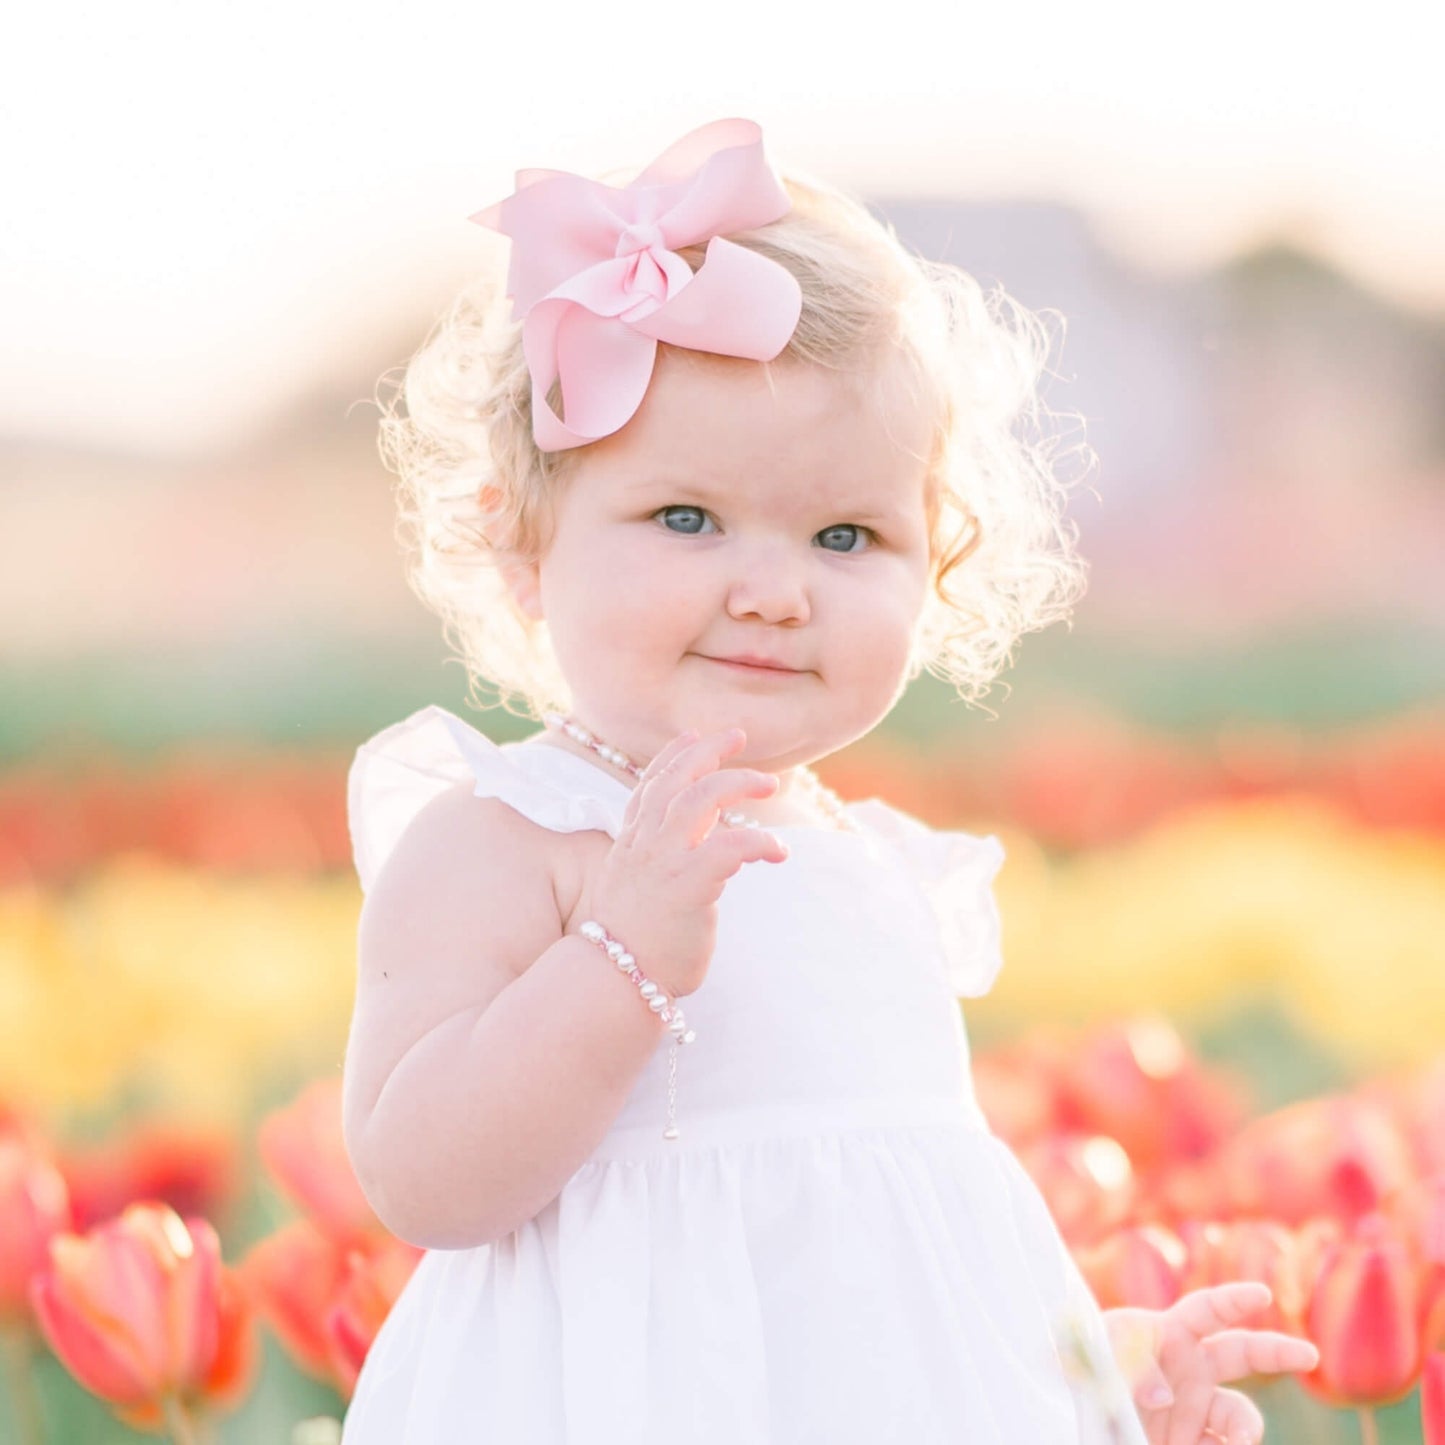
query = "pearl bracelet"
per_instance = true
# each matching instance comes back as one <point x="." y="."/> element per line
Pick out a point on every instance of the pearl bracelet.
<point x="667" y="1009"/>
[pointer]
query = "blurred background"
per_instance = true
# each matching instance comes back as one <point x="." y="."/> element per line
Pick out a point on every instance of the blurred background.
<point x="1222" y="790"/>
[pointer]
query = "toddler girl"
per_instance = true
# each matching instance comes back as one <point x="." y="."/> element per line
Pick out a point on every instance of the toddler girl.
<point x="691" y="1144"/>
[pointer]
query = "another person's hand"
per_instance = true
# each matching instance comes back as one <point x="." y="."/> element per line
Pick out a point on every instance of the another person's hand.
<point x="1189" y="1349"/>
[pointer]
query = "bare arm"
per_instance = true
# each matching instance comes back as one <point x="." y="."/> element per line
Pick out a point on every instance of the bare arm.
<point x="488" y="1054"/>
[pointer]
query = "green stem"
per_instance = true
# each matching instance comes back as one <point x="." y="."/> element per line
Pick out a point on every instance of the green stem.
<point x="179" y="1424"/>
<point x="20" y="1385"/>
<point x="1369" y="1434"/>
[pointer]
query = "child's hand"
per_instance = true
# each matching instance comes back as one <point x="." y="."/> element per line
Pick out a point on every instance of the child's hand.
<point x="1189" y="1349"/>
<point x="657" y="889"/>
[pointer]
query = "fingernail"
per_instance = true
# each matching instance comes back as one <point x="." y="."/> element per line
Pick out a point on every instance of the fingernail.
<point x="1158" y="1396"/>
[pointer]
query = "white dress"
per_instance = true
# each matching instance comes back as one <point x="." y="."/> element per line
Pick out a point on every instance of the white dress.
<point x="836" y="1251"/>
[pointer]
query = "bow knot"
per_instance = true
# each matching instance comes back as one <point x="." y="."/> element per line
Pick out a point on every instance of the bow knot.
<point x="639" y="236"/>
<point x="596" y="281"/>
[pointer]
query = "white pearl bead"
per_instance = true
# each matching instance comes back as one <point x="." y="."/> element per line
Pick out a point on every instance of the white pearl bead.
<point x="625" y="961"/>
<point x="647" y="989"/>
<point x="615" y="949"/>
<point x="688" y="1037"/>
<point x="593" y="931"/>
<point x="656" y="1004"/>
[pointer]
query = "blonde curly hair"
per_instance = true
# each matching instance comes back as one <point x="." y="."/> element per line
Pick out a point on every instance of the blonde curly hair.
<point x="475" y="492"/>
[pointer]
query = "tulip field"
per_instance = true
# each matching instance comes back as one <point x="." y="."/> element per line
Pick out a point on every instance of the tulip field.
<point x="1217" y="1044"/>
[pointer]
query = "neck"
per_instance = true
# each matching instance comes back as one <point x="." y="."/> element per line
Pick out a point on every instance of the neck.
<point x="801" y="797"/>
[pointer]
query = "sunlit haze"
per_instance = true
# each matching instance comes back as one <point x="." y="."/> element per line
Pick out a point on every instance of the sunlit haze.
<point x="204" y="204"/>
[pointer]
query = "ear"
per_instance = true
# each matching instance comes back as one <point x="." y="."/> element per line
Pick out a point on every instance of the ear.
<point x="524" y="582"/>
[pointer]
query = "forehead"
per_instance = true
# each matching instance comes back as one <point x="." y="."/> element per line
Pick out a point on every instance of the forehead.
<point x="788" y="428"/>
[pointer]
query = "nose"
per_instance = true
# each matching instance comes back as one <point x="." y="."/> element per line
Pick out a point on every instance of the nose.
<point x="770" y="587"/>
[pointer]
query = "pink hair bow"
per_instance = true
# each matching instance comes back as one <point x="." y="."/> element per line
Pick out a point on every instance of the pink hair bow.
<point x="596" y="278"/>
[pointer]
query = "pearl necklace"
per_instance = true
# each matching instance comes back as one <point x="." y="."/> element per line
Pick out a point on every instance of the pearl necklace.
<point x="826" y="799"/>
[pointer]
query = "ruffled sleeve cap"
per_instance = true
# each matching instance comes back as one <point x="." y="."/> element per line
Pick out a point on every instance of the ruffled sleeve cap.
<point x="396" y="773"/>
<point x="956" y="872"/>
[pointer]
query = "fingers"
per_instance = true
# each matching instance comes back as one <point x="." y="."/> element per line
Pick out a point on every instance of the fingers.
<point x="736" y="846"/>
<point x="1207" y="1311"/>
<point x="1234" y="1418"/>
<point x="683" y="795"/>
<point x="661" y="760"/>
<point x="1236" y="1354"/>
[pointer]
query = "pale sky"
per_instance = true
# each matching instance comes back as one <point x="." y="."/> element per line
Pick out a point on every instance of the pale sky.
<point x="201" y="201"/>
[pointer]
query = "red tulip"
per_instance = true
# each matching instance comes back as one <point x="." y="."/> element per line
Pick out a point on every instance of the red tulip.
<point x="1017" y="1086"/>
<point x="1087" y="1183"/>
<point x="1137" y="1082"/>
<point x="1363" y="1315"/>
<point x="1142" y="1265"/>
<point x="1341" y="1156"/>
<point x="34" y="1208"/>
<point x="143" y="1313"/>
<point x="195" y="1170"/>
<point x="304" y="1150"/>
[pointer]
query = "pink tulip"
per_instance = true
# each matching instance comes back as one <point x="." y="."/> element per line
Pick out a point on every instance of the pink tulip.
<point x="34" y="1208"/>
<point x="1432" y="1398"/>
<point x="303" y="1149"/>
<point x="1364" y="1317"/>
<point x="1249" y="1249"/>
<point x="375" y="1278"/>
<point x="1142" y="1266"/>
<point x="142" y="1312"/>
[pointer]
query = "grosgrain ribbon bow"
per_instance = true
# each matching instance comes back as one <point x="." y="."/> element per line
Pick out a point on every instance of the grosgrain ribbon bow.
<point x="595" y="276"/>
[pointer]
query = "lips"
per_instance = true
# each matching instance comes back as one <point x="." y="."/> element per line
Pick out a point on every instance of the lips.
<point x="758" y="664"/>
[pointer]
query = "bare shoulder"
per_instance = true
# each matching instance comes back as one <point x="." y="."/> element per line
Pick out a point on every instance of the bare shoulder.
<point x="467" y="900"/>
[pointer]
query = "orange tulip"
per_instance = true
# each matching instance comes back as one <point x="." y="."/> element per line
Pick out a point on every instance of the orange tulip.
<point x="1142" y="1265"/>
<point x="143" y="1313"/>
<point x="1363" y="1315"/>
<point x="34" y="1207"/>
<point x="292" y="1278"/>
<point x="304" y="1151"/>
<point x="375" y="1278"/>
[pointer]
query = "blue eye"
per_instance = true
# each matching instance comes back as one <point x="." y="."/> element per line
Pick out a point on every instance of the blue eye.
<point x="850" y="532"/>
<point x="690" y="514"/>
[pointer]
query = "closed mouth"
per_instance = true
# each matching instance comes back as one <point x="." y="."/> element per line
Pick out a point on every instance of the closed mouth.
<point x="752" y="666"/>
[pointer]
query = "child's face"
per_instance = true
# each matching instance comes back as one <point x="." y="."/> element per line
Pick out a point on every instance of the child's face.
<point x="763" y="549"/>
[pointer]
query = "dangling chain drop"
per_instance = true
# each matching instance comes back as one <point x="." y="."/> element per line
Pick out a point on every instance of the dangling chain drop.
<point x="668" y="1009"/>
